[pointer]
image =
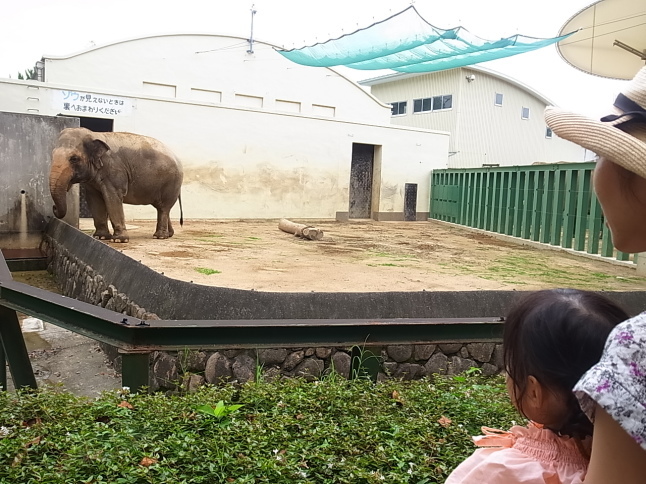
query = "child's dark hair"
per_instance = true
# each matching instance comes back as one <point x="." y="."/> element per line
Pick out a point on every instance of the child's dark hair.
<point x="556" y="335"/>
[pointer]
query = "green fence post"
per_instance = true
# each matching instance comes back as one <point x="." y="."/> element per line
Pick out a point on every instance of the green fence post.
<point x="512" y="204"/>
<point x="546" y="209"/>
<point x="623" y="255"/>
<point x="519" y="205"/>
<point x="495" y="202"/>
<point x="557" y="207"/>
<point x="464" y="197"/>
<point x="582" y="207"/>
<point x="570" y="208"/>
<point x="607" y="248"/>
<point x="594" y="226"/>
<point x="473" y="212"/>
<point x="528" y="191"/>
<point x="537" y="204"/>
<point x="15" y="350"/>
<point x="481" y="200"/>
<point x="503" y="202"/>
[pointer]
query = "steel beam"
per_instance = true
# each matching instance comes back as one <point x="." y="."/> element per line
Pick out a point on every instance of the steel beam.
<point x="15" y="350"/>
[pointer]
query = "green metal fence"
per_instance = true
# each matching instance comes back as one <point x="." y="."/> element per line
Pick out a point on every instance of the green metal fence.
<point x="553" y="204"/>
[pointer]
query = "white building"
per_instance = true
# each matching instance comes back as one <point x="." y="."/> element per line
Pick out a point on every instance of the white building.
<point x="493" y="119"/>
<point x="259" y="136"/>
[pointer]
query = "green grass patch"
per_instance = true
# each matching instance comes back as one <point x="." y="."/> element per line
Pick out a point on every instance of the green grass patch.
<point x="206" y="271"/>
<point x="287" y="431"/>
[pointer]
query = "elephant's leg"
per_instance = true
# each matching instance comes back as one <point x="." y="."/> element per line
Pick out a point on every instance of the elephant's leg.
<point x="164" y="229"/>
<point x="97" y="206"/>
<point x="114" y="205"/>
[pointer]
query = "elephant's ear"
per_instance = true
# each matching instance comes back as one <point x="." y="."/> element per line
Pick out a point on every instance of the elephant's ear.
<point x="96" y="148"/>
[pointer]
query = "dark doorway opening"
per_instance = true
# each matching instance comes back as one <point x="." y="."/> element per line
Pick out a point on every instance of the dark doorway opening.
<point x="361" y="174"/>
<point x="410" y="202"/>
<point x="99" y="125"/>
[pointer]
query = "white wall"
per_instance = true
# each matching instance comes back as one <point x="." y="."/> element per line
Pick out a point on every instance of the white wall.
<point x="481" y="132"/>
<point x="254" y="163"/>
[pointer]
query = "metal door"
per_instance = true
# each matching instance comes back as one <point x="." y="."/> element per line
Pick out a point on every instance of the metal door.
<point x="361" y="180"/>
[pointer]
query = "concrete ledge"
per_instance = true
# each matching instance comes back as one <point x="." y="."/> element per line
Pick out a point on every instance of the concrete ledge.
<point x="173" y="299"/>
<point x="540" y="245"/>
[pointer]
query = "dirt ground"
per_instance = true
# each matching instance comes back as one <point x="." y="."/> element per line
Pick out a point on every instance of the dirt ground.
<point x="361" y="256"/>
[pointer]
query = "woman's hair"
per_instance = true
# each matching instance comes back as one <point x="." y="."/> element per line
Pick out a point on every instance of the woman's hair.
<point x="556" y="335"/>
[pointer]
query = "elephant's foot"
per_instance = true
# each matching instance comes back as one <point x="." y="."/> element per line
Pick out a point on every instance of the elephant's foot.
<point x="121" y="236"/>
<point x="102" y="235"/>
<point x="162" y="234"/>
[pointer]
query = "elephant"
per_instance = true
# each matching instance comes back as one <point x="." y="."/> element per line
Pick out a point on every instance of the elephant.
<point x="116" y="168"/>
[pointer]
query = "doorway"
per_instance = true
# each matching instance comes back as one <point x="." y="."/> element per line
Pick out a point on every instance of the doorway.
<point x="361" y="176"/>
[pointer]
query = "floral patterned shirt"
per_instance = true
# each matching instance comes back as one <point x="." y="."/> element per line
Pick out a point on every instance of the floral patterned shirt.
<point x="618" y="382"/>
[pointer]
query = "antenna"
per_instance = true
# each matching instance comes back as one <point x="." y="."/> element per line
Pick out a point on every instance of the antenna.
<point x="253" y="12"/>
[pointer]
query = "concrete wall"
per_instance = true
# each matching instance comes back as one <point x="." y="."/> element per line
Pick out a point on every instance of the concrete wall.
<point x="259" y="136"/>
<point x="26" y="143"/>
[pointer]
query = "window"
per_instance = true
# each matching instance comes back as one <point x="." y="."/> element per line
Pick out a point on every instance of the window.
<point x="398" y="108"/>
<point x="548" y="133"/>
<point x="436" y="103"/>
<point x="524" y="114"/>
<point x="498" y="101"/>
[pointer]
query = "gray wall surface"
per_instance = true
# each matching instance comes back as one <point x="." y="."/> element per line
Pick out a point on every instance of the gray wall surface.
<point x="26" y="144"/>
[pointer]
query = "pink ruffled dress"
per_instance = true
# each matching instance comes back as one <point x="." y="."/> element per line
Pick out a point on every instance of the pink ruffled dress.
<point x="531" y="455"/>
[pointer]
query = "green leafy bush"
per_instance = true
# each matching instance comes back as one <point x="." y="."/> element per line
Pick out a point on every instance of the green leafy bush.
<point x="287" y="431"/>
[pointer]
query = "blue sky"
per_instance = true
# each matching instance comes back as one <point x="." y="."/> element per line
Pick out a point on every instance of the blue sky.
<point x="29" y="30"/>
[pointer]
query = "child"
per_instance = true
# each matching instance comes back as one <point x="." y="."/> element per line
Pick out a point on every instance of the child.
<point x="551" y="338"/>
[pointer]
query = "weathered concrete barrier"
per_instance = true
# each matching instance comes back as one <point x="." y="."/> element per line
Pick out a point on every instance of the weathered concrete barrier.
<point x="89" y="270"/>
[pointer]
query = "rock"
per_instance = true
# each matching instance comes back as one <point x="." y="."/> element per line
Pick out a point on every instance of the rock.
<point x="165" y="371"/>
<point x="244" y="368"/>
<point x="310" y="352"/>
<point x="481" y="351"/>
<point x="271" y="374"/>
<point x="341" y="363"/>
<point x="458" y="365"/>
<point x="323" y="353"/>
<point x="464" y="353"/>
<point x="437" y="364"/>
<point x="195" y="382"/>
<point x="311" y="369"/>
<point x="488" y="369"/>
<point x="400" y="353"/>
<point x="120" y="302"/>
<point x="405" y="371"/>
<point x="232" y="353"/>
<point x="497" y="358"/>
<point x="272" y="357"/>
<point x="218" y="369"/>
<point x="423" y="352"/>
<point x="450" y="348"/>
<point x="196" y="360"/>
<point x="293" y="359"/>
<point x="390" y="367"/>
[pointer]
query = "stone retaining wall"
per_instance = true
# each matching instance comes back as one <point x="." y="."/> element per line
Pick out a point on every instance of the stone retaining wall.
<point x="91" y="271"/>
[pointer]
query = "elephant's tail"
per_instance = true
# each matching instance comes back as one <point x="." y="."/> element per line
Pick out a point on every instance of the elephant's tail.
<point x="181" y="212"/>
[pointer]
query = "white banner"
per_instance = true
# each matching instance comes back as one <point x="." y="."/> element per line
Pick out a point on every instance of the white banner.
<point x="88" y="104"/>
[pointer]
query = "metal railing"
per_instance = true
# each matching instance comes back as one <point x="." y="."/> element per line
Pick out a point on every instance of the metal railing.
<point x="553" y="204"/>
<point x="137" y="339"/>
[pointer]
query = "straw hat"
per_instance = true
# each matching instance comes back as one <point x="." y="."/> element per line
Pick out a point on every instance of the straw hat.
<point x="624" y="144"/>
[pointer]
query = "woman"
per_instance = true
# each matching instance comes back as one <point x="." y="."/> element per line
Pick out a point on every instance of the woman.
<point x="613" y="392"/>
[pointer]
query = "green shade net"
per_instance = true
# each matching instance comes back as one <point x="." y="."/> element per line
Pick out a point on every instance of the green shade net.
<point x="406" y="42"/>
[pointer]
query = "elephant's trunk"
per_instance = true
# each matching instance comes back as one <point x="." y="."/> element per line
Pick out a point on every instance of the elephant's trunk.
<point x="60" y="176"/>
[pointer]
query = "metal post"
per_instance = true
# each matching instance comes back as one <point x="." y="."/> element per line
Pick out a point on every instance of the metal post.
<point x="3" y="367"/>
<point x="135" y="371"/>
<point x="15" y="350"/>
